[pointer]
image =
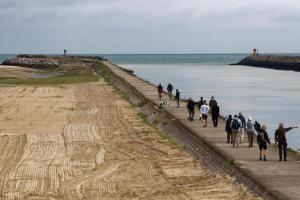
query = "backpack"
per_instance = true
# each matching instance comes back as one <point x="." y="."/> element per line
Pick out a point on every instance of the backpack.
<point x="235" y="124"/>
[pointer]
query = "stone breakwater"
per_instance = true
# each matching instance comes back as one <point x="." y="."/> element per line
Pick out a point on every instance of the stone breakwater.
<point x="34" y="61"/>
<point x="272" y="62"/>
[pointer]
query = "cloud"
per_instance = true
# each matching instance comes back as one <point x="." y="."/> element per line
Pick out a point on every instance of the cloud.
<point x="148" y="26"/>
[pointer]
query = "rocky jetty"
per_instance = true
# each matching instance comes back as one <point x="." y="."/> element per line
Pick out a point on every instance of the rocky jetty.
<point x="32" y="61"/>
<point x="272" y="62"/>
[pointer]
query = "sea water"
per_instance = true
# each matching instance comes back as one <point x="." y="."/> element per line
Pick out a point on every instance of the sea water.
<point x="268" y="96"/>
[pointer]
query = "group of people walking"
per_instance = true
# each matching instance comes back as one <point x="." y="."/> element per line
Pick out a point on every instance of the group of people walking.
<point x="202" y="105"/>
<point x="204" y="109"/>
<point x="235" y="126"/>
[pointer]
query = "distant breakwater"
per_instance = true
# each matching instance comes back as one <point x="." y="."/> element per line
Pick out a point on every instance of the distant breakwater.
<point x="39" y="61"/>
<point x="277" y="62"/>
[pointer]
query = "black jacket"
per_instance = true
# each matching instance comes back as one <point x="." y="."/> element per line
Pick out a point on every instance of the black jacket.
<point x="215" y="111"/>
<point x="177" y="96"/>
<point x="257" y="127"/>
<point x="200" y="103"/>
<point x="170" y="87"/>
<point x="228" y="127"/>
<point x="243" y="120"/>
<point x="280" y="135"/>
<point x="191" y="105"/>
<point x="263" y="137"/>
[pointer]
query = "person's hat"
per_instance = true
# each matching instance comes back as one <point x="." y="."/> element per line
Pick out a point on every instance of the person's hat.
<point x="250" y="118"/>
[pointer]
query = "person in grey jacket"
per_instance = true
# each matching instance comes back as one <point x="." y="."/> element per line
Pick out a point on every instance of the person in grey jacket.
<point x="250" y="131"/>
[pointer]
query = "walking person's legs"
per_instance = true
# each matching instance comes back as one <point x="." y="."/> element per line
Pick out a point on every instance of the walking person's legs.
<point x="249" y="138"/>
<point x="217" y="120"/>
<point x="241" y="135"/>
<point x="234" y="138"/>
<point x="280" y="151"/>
<point x="285" y="151"/>
<point x="237" y="139"/>
<point x="193" y="113"/>
<point x="260" y="151"/>
<point x="177" y="100"/>
<point x="228" y="136"/>
<point x="264" y="154"/>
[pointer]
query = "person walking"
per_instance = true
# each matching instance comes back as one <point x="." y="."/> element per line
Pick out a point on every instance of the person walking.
<point x="160" y="91"/>
<point x="191" y="109"/>
<point x="250" y="131"/>
<point x="280" y="139"/>
<point x="177" y="97"/>
<point x="262" y="140"/>
<point x="228" y="129"/>
<point x="212" y="101"/>
<point x="215" y="113"/>
<point x="204" y="112"/>
<point x="243" y="120"/>
<point x="235" y="125"/>
<point x="200" y="103"/>
<point x="170" y="90"/>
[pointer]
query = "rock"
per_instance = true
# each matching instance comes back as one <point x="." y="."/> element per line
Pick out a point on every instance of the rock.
<point x="32" y="61"/>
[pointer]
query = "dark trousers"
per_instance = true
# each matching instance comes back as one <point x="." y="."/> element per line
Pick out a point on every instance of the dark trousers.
<point x="282" y="149"/>
<point x="191" y="115"/>
<point x="215" y="120"/>
<point x="229" y="137"/>
<point x="177" y="101"/>
<point x="170" y="94"/>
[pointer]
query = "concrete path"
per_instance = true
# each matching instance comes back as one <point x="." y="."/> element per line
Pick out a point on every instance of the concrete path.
<point x="282" y="179"/>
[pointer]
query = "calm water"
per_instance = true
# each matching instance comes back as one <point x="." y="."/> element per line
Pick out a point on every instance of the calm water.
<point x="269" y="96"/>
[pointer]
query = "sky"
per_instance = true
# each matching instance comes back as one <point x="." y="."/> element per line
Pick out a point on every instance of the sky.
<point x="149" y="26"/>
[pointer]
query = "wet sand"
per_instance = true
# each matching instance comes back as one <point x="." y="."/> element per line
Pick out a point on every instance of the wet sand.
<point x="84" y="141"/>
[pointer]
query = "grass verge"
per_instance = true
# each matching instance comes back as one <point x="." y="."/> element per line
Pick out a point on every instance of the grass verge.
<point x="57" y="80"/>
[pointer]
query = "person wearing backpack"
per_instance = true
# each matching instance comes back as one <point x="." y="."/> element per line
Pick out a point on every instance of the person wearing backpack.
<point x="262" y="140"/>
<point x="281" y="140"/>
<point x="228" y="129"/>
<point x="250" y="131"/>
<point x="235" y="125"/>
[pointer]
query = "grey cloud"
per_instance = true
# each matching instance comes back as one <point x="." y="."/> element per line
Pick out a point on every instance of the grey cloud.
<point x="148" y="26"/>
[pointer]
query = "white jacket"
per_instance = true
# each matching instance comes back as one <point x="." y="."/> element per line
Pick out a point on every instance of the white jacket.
<point x="204" y="109"/>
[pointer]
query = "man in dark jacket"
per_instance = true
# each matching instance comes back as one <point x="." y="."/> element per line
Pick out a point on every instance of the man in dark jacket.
<point x="281" y="140"/>
<point x="170" y="89"/>
<point x="228" y="129"/>
<point x="191" y="109"/>
<point x="177" y="97"/>
<point x="212" y="101"/>
<point x="215" y="112"/>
